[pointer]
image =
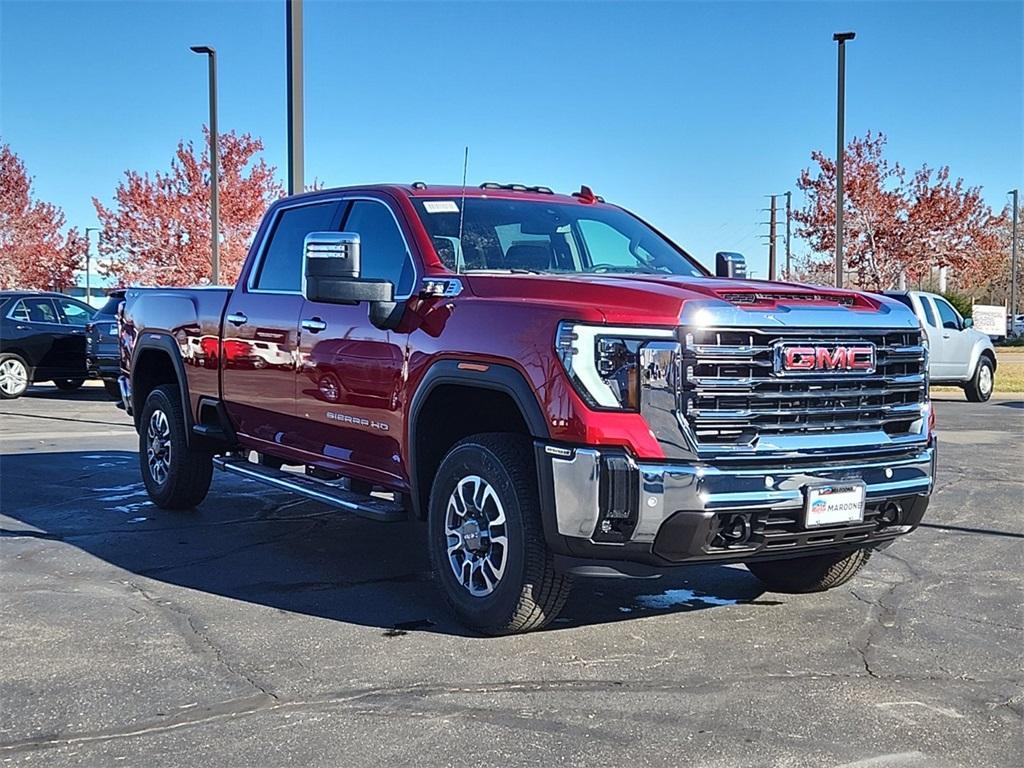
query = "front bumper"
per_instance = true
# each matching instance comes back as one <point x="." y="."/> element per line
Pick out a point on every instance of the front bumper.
<point x="604" y="505"/>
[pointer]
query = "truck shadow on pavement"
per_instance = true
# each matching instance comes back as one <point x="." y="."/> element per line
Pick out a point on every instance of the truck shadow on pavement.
<point x="83" y="394"/>
<point x="252" y="544"/>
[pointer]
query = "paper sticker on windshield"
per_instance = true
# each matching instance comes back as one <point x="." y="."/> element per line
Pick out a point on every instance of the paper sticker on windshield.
<point x="440" y="206"/>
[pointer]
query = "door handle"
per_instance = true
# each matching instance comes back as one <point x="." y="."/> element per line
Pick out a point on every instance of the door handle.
<point x="313" y="325"/>
<point x="237" y="318"/>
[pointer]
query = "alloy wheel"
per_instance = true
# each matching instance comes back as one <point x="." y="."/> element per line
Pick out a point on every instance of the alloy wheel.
<point x="13" y="377"/>
<point x="158" y="446"/>
<point x="477" y="536"/>
<point x="985" y="380"/>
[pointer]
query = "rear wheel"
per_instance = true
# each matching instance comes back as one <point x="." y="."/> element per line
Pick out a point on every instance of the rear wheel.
<point x="112" y="389"/>
<point x="68" y="385"/>
<point x="176" y="476"/>
<point x="14" y="376"/>
<point x="486" y="541"/>
<point x="979" y="388"/>
<point x="810" y="574"/>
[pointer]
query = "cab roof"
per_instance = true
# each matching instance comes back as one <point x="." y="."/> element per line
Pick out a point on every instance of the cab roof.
<point x="419" y="189"/>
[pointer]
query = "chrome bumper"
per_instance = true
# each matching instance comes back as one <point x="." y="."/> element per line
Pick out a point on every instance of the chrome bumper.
<point x="646" y="503"/>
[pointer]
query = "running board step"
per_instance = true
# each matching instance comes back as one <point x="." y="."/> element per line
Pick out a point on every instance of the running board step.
<point x="319" y="490"/>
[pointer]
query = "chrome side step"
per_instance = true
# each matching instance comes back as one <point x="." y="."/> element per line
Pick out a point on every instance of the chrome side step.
<point x="327" y="492"/>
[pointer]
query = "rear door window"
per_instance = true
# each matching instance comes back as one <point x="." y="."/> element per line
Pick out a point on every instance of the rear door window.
<point x="37" y="310"/>
<point x="281" y="266"/>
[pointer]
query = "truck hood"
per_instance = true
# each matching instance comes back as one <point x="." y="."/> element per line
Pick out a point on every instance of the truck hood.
<point x="675" y="299"/>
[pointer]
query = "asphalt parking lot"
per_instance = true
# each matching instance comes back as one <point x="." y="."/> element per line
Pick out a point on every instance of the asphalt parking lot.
<point x="261" y="630"/>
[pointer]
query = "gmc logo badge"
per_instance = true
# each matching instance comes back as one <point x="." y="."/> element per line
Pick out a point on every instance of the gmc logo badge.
<point x="808" y="358"/>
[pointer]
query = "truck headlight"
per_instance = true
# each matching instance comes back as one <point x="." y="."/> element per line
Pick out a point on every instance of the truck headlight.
<point x="602" y="361"/>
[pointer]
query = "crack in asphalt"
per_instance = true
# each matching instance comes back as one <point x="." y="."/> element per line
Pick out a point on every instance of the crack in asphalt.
<point x="185" y="620"/>
<point x="400" y="700"/>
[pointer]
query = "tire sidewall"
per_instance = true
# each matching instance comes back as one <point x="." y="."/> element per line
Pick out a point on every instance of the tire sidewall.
<point x="28" y="376"/>
<point x="162" y="493"/>
<point x="495" y="609"/>
<point x="983" y="396"/>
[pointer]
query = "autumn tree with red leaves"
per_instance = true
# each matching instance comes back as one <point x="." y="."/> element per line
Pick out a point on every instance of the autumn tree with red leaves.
<point x="34" y="253"/>
<point x="158" y="229"/>
<point x="894" y="223"/>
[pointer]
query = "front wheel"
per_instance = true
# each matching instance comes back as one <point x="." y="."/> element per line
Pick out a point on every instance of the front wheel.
<point x="810" y="574"/>
<point x="486" y="541"/>
<point x="176" y="476"/>
<point x="979" y="388"/>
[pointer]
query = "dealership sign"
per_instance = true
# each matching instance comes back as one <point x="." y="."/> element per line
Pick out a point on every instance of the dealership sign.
<point x="990" y="319"/>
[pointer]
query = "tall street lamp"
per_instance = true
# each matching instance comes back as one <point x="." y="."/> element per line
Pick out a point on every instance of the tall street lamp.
<point x="214" y="176"/>
<point x="88" y="291"/>
<point x="1013" y="260"/>
<point x="840" y="38"/>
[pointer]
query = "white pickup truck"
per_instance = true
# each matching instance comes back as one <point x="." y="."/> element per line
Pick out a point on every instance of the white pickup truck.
<point x="958" y="354"/>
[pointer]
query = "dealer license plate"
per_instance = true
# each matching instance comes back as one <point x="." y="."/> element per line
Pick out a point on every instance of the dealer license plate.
<point x="833" y="504"/>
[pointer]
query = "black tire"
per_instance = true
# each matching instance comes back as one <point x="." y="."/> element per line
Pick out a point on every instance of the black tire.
<point x="816" y="573"/>
<point x="529" y="592"/>
<point x="112" y="389"/>
<point x="979" y="389"/>
<point x="186" y="472"/>
<point x="68" y="385"/>
<point x="15" y="376"/>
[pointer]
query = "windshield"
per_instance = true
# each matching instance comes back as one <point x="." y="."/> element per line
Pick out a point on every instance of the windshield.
<point x="538" y="236"/>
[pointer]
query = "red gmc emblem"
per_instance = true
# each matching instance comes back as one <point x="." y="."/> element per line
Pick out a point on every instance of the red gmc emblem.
<point x="807" y="358"/>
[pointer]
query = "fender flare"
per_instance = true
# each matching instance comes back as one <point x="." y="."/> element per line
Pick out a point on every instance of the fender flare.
<point x="164" y="343"/>
<point x="979" y="349"/>
<point x="496" y="377"/>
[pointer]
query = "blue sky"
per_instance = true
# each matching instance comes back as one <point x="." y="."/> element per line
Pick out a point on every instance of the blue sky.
<point x="688" y="113"/>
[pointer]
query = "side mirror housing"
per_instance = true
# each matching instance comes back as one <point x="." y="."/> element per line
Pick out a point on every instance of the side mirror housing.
<point x="729" y="264"/>
<point x="331" y="271"/>
<point x="968" y="322"/>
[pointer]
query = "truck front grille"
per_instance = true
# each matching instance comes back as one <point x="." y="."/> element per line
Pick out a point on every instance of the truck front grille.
<point x="732" y="394"/>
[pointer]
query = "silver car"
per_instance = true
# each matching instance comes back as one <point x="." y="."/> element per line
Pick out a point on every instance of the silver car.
<point x="958" y="354"/>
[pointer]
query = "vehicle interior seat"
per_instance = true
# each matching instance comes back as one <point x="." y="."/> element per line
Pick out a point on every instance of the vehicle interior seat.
<point x="534" y="256"/>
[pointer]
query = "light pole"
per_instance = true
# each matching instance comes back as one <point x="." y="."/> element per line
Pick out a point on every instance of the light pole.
<point x="88" y="291"/>
<point x="211" y="55"/>
<point x="840" y="38"/>
<point x="293" y="33"/>
<point x="1013" y="260"/>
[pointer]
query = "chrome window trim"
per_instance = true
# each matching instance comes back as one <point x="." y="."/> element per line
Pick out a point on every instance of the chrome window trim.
<point x="264" y="241"/>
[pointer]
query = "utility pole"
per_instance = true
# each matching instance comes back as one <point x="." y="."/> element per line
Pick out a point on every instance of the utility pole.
<point x="293" y="24"/>
<point x="789" y="252"/>
<point x="1013" y="259"/>
<point x="211" y="56"/>
<point x="772" y="236"/>
<point x="841" y="38"/>
<point x="88" y="290"/>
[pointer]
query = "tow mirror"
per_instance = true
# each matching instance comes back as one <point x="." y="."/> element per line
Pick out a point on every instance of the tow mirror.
<point x="331" y="268"/>
<point x="729" y="264"/>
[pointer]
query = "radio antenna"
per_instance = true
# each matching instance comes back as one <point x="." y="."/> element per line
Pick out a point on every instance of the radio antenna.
<point x="459" y="259"/>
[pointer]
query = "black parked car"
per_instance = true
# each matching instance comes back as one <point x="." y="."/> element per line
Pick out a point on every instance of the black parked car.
<point x="42" y="338"/>
<point x="101" y="352"/>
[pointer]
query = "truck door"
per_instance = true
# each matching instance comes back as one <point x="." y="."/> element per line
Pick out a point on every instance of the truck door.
<point x="259" y="347"/>
<point x="351" y="374"/>
<point x="953" y="349"/>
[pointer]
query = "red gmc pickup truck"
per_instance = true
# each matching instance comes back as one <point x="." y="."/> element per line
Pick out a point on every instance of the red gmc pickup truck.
<point x="550" y="383"/>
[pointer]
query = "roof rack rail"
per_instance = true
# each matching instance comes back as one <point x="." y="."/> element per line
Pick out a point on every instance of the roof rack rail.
<point x="517" y="187"/>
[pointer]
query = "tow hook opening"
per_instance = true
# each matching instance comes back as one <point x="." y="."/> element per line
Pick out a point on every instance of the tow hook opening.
<point x="891" y="513"/>
<point x="734" y="531"/>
